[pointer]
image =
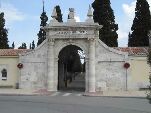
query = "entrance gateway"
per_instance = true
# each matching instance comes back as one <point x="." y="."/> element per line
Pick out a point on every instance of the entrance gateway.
<point x="103" y="65"/>
<point x="71" y="69"/>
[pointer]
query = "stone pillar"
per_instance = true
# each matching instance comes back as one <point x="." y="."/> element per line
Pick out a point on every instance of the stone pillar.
<point x="92" y="65"/>
<point x="56" y="74"/>
<point x="86" y="75"/>
<point x="50" y="65"/>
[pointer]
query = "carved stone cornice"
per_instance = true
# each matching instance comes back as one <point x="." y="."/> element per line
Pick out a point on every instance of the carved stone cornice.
<point x="67" y="26"/>
<point x="71" y="36"/>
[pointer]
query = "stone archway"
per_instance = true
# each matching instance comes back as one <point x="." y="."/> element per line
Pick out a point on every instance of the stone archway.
<point x="71" y="68"/>
<point x="102" y="62"/>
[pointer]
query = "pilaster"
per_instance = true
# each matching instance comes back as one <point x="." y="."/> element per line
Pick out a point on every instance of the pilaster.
<point x="50" y="67"/>
<point x="91" y="65"/>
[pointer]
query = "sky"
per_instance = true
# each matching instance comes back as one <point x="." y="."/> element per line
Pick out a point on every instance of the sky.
<point x="23" y="17"/>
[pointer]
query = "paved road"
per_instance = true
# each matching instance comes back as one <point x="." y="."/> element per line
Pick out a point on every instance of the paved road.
<point x="62" y="102"/>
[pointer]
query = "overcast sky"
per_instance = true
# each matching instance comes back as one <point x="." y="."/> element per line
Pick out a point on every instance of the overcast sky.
<point x="22" y="16"/>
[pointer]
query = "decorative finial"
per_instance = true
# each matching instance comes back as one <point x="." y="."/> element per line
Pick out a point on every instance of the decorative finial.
<point x="71" y="13"/>
<point x="90" y="14"/>
<point x="54" y="14"/>
<point x="43" y="5"/>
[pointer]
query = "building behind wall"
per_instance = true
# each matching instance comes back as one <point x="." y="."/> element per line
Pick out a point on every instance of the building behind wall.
<point x="138" y="73"/>
<point x="9" y="58"/>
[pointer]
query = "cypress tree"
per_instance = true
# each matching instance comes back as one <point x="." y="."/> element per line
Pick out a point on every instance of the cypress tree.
<point x="23" y="46"/>
<point x="42" y="33"/>
<point x="13" y="45"/>
<point x="104" y="15"/>
<point x="141" y="25"/>
<point x="3" y="33"/>
<point x="69" y="55"/>
<point x="33" y="45"/>
<point x="59" y="15"/>
<point x="129" y="39"/>
<point x="30" y="46"/>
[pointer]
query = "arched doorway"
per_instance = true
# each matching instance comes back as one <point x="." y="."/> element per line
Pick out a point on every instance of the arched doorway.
<point x="71" y="69"/>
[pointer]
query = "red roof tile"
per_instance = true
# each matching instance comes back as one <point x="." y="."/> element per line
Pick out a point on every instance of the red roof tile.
<point x="133" y="50"/>
<point x="12" y="52"/>
<point x="130" y="50"/>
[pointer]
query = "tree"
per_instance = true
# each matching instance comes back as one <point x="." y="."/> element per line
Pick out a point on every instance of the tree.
<point x="104" y="15"/>
<point x="42" y="33"/>
<point x="30" y="46"/>
<point x="33" y="45"/>
<point x="23" y="46"/>
<point x="59" y="15"/>
<point x="70" y="57"/>
<point x="13" y="45"/>
<point x="3" y="33"/>
<point x="141" y="25"/>
<point x="129" y="39"/>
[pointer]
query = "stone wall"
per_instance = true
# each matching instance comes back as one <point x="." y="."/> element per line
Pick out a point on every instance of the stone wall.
<point x="34" y="72"/>
<point x="110" y="73"/>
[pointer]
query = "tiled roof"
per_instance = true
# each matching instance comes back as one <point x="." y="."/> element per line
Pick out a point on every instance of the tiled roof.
<point x="130" y="50"/>
<point x="133" y="50"/>
<point x="12" y="52"/>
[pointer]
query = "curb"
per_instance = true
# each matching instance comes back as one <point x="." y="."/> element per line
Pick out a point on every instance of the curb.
<point x="35" y="94"/>
<point x="19" y="94"/>
<point x="85" y="94"/>
<point x="116" y="96"/>
<point x="101" y="95"/>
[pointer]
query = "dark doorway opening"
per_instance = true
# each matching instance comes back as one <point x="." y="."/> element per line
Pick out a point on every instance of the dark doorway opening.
<point x="71" y="69"/>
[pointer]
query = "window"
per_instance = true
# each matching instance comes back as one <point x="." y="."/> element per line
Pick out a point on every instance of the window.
<point x="4" y="74"/>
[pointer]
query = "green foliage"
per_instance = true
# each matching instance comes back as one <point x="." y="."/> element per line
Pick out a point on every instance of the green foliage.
<point x="3" y="33"/>
<point x="30" y="46"/>
<point x="41" y="36"/>
<point x="71" y="59"/>
<point x="141" y="25"/>
<point x="77" y="66"/>
<point x="59" y="15"/>
<point x="104" y="15"/>
<point x="129" y="39"/>
<point x="42" y="33"/>
<point x="23" y="46"/>
<point x="149" y="57"/>
<point x="33" y="45"/>
<point x="13" y="45"/>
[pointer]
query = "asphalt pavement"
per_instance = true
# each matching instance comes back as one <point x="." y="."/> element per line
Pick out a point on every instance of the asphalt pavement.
<point x="66" y="102"/>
